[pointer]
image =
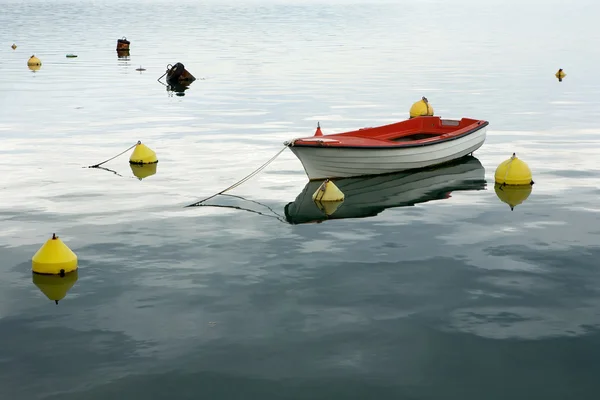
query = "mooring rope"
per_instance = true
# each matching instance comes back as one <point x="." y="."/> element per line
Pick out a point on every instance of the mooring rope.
<point x="246" y="178"/>
<point x="255" y="202"/>
<point x="244" y="209"/>
<point x="169" y="68"/>
<point x="112" y="158"/>
<point x="109" y="170"/>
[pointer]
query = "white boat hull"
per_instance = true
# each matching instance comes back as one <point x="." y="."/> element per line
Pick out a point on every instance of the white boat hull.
<point x="330" y="162"/>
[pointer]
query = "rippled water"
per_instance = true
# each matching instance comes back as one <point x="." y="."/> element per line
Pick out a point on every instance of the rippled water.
<point x="419" y="286"/>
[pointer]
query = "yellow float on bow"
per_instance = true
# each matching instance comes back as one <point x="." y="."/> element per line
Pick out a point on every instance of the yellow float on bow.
<point x="421" y="108"/>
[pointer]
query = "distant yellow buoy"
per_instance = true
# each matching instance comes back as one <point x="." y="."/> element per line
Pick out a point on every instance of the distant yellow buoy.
<point x="14" y="46"/>
<point x="53" y="286"/>
<point x="421" y="108"/>
<point x="54" y="258"/>
<point x="512" y="195"/>
<point x="142" y="171"/>
<point x="560" y="74"/>
<point x="34" y="62"/>
<point x="142" y="154"/>
<point x="513" y="172"/>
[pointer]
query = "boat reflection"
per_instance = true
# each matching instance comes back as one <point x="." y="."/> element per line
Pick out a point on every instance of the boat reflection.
<point x="369" y="196"/>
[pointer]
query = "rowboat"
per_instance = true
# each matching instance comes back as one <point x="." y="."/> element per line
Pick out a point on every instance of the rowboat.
<point x="415" y="143"/>
<point x="369" y="196"/>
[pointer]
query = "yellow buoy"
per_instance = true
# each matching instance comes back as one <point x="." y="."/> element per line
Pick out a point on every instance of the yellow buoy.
<point x="34" y="62"/>
<point x="512" y="195"/>
<point x="328" y="192"/>
<point x="421" y="108"/>
<point x="560" y="74"/>
<point x="142" y="154"/>
<point x="14" y="46"/>
<point x="34" y="67"/>
<point x="513" y="172"/>
<point x="142" y="171"/>
<point x="54" y="258"/>
<point x="53" y="286"/>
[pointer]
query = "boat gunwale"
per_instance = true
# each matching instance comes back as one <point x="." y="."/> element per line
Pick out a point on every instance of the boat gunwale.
<point x="480" y="124"/>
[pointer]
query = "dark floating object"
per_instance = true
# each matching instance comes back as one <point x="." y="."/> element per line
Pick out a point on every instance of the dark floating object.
<point x="178" y="79"/>
<point x="178" y="74"/>
<point x="140" y="69"/>
<point x="123" y="44"/>
<point x="71" y="55"/>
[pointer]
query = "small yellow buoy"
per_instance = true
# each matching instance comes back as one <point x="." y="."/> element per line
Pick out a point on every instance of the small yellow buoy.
<point x="53" y="286"/>
<point x="142" y="154"/>
<point x="142" y="171"/>
<point x="14" y="46"/>
<point x="560" y="74"/>
<point x="54" y="258"/>
<point x="421" y="108"/>
<point x="512" y="195"/>
<point x="34" y="62"/>
<point x="513" y="172"/>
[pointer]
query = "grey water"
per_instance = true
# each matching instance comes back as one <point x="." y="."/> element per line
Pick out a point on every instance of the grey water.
<point x="420" y="285"/>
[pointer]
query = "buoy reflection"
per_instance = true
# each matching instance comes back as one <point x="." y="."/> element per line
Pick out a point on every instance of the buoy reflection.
<point x="55" y="287"/>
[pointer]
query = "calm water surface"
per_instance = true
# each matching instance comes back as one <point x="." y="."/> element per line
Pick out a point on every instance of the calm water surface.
<point x="420" y="286"/>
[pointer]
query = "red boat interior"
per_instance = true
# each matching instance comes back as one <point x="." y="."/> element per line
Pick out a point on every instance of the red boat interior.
<point x="415" y="131"/>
